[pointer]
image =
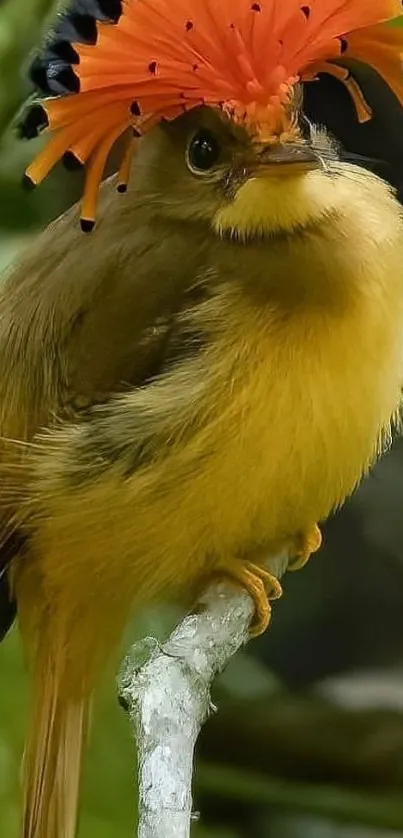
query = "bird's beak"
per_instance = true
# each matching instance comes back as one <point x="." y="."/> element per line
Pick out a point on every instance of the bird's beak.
<point x="283" y="192"/>
<point x="285" y="159"/>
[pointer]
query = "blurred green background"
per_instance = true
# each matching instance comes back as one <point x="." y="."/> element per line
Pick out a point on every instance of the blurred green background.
<point x="308" y="740"/>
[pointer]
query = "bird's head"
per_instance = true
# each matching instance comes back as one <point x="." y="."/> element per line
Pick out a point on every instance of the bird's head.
<point x="214" y="96"/>
<point x="205" y="167"/>
<point x="276" y="210"/>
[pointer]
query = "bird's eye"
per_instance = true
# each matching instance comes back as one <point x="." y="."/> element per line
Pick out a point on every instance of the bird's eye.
<point x="203" y="152"/>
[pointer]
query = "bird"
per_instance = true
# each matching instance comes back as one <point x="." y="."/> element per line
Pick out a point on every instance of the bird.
<point x="202" y="360"/>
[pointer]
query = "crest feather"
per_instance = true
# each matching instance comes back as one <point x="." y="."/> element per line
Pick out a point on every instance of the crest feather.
<point x="130" y="63"/>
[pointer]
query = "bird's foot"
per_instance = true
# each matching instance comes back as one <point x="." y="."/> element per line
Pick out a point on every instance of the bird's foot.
<point x="306" y="543"/>
<point x="261" y="585"/>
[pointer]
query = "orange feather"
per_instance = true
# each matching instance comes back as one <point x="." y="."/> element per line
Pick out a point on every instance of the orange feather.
<point x="242" y="56"/>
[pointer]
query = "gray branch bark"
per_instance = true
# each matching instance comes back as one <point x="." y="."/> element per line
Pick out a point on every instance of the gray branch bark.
<point x="166" y="691"/>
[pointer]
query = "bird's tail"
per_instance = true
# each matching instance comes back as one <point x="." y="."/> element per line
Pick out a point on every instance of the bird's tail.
<point x="52" y="762"/>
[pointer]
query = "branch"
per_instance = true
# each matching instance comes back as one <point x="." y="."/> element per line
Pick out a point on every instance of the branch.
<point x="168" y="700"/>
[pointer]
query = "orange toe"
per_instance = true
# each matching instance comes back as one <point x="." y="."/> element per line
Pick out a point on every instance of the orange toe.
<point x="262" y="586"/>
<point x="307" y="543"/>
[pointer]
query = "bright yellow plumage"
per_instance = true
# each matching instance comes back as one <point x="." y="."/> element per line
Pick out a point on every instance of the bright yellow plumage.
<point x="268" y="343"/>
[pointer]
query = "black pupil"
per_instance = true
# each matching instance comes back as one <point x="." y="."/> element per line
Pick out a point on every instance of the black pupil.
<point x="204" y="151"/>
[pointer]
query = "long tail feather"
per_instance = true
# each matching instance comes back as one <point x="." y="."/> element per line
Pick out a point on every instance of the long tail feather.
<point x="53" y="757"/>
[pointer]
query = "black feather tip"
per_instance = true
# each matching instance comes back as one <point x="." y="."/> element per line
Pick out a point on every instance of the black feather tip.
<point x="87" y="225"/>
<point x="33" y="122"/>
<point x="51" y="70"/>
<point x="68" y="79"/>
<point x="71" y="162"/>
<point x="38" y="76"/>
<point x="65" y="51"/>
<point x="111" y="9"/>
<point x="85" y="26"/>
<point x="28" y="184"/>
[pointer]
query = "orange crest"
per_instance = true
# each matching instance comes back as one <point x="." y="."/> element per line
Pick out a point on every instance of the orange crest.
<point x="163" y="57"/>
